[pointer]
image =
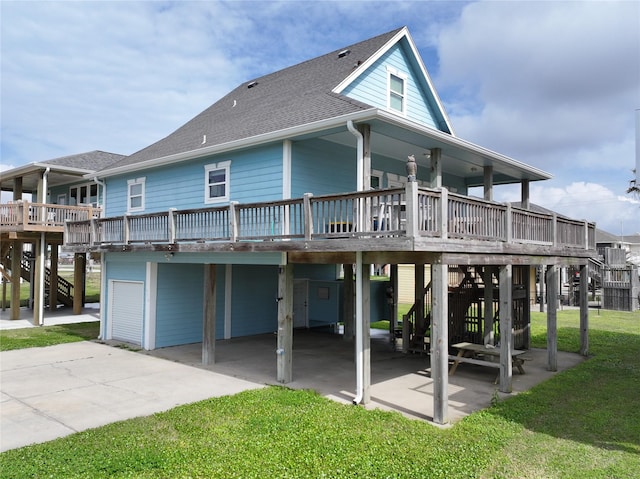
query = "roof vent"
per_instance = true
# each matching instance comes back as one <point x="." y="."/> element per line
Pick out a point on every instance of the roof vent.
<point x="344" y="53"/>
<point x="252" y="84"/>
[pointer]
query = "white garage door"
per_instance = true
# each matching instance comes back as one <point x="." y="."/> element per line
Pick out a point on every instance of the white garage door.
<point x="127" y="308"/>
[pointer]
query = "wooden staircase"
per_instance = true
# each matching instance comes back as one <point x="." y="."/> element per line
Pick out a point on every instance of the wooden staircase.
<point x="463" y="326"/>
<point x="65" y="288"/>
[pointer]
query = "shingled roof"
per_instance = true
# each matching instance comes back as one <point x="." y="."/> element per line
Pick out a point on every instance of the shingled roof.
<point x="90" y="160"/>
<point x="295" y="96"/>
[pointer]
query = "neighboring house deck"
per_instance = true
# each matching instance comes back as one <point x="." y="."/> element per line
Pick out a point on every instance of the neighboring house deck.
<point x="60" y="192"/>
<point x="26" y="217"/>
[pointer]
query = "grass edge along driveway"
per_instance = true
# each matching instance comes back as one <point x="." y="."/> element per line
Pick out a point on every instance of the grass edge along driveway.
<point x="584" y="422"/>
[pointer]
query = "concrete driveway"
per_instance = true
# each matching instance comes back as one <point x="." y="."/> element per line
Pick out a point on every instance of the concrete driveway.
<point x="50" y="392"/>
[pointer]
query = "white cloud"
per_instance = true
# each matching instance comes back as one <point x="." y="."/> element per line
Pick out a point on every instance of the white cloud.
<point x="591" y="201"/>
<point x="553" y="84"/>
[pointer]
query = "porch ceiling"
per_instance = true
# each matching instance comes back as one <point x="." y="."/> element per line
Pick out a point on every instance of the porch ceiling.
<point x="32" y="173"/>
<point x="459" y="158"/>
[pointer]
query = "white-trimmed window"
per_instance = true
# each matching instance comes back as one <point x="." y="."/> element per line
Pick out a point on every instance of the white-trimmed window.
<point x="216" y="182"/>
<point x="135" y="194"/>
<point x="397" y="91"/>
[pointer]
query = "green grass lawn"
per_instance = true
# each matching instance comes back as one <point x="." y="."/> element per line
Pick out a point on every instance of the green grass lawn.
<point x="48" y="335"/>
<point x="583" y="423"/>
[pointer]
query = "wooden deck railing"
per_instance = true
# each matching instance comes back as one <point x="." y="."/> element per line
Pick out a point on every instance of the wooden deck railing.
<point x="398" y="212"/>
<point x="27" y="216"/>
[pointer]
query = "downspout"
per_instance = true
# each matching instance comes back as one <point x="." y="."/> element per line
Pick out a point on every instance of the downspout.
<point x="359" y="320"/>
<point x="359" y="332"/>
<point x="43" y="251"/>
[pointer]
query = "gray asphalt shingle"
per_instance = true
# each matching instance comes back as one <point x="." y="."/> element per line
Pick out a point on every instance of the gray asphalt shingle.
<point x="291" y="97"/>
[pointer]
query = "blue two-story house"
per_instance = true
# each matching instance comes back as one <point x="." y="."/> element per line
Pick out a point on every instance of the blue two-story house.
<point x="244" y="220"/>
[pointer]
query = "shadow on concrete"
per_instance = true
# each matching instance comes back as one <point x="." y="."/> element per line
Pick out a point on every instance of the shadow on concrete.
<point x="324" y="362"/>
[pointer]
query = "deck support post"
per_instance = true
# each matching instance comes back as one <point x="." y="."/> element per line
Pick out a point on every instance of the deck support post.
<point x="284" y="349"/>
<point x="552" y="311"/>
<point x="53" y="278"/>
<point x="541" y="283"/>
<point x="79" y="271"/>
<point x="209" y="313"/>
<point x="440" y="342"/>
<point x="524" y="194"/>
<point x="419" y="299"/>
<point x="584" y="309"/>
<point x="347" y="302"/>
<point x="436" y="168"/>
<point x="16" y="266"/>
<point x="488" y="305"/>
<point x="488" y="182"/>
<point x="393" y="306"/>
<point x="506" y="326"/>
<point x="38" y="281"/>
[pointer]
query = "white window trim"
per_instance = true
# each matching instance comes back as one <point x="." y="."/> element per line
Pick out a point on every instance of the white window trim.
<point x="405" y="98"/>
<point x="130" y="183"/>
<point x="226" y="165"/>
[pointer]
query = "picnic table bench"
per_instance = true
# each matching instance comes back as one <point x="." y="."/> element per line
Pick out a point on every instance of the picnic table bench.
<point x="483" y="356"/>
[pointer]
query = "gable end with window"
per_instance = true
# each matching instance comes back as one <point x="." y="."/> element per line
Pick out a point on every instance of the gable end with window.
<point x="396" y="91"/>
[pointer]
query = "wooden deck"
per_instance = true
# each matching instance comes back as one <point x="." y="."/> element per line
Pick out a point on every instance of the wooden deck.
<point x="24" y="216"/>
<point x="401" y="219"/>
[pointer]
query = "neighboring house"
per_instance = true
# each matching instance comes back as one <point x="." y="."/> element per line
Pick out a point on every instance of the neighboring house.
<point x="241" y="221"/>
<point x="619" y="269"/>
<point x="60" y="191"/>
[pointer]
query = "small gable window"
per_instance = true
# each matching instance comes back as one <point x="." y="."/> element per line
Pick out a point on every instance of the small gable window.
<point x="135" y="196"/>
<point x="216" y="182"/>
<point x="397" y="91"/>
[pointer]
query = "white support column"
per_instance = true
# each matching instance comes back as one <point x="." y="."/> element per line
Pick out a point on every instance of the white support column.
<point x="506" y="326"/>
<point x="362" y="346"/>
<point x="209" y="320"/>
<point x="584" y="309"/>
<point x="440" y="342"/>
<point x="285" y="324"/>
<point x="552" y="311"/>
<point x="419" y="297"/>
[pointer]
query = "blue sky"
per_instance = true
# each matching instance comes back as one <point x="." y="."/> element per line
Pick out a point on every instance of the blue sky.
<point x="553" y="84"/>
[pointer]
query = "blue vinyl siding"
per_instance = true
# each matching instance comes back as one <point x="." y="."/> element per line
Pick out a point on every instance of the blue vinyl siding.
<point x="254" y="309"/>
<point x="326" y="272"/>
<point x="124" y="267"/>
<point x="179" y="304"/>
<point x="371" y="87"/>
<point x="255" y="175"/>
<point x="324" y="310"/>
<point x="321" y="167"/>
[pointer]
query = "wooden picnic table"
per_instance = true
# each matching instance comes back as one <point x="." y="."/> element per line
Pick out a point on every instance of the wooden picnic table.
<point x="482" y="355"/>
